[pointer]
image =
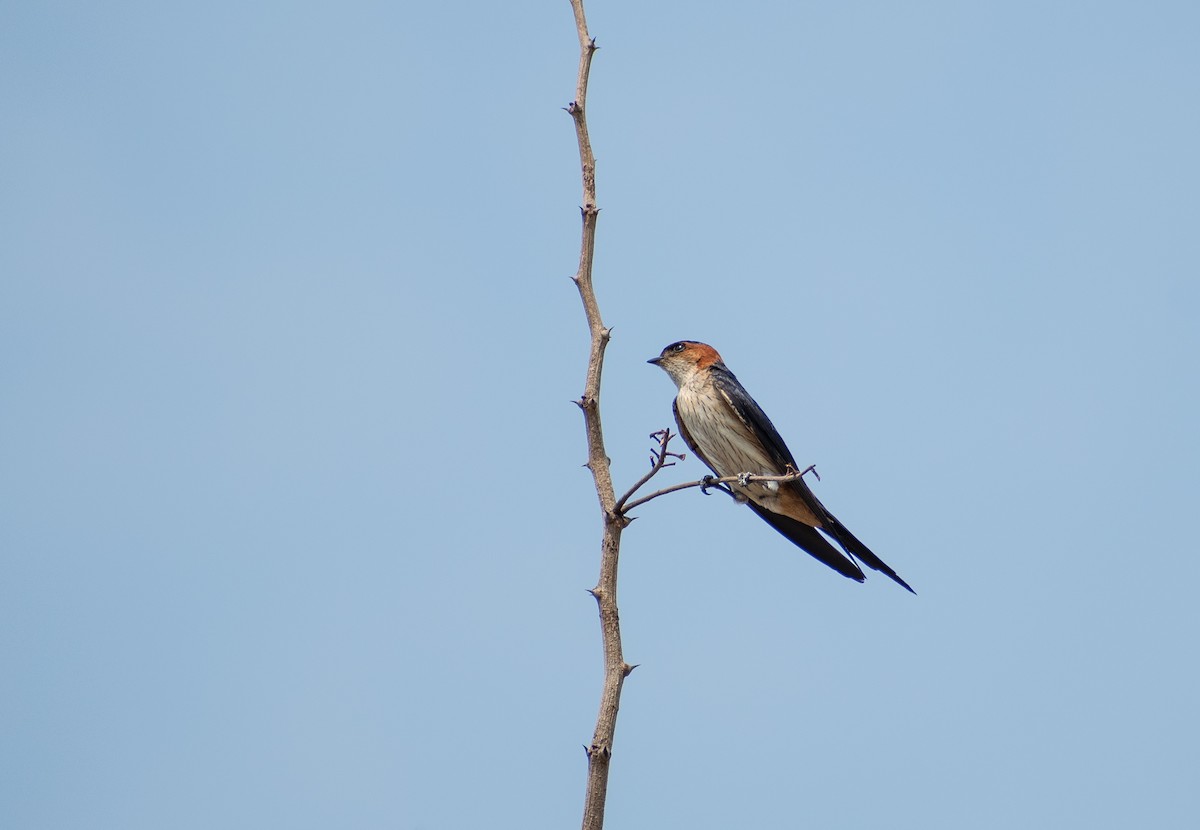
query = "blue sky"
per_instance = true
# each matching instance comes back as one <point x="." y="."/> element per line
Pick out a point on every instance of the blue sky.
<point x="295" y="531"/>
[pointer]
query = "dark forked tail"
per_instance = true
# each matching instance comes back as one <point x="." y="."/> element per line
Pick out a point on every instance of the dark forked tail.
<point x="856" y="548"/>
<point x="813" y="543"/>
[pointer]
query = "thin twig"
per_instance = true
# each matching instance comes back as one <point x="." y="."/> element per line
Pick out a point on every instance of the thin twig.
<point x="658" y="461"/>
<point x="709" y="481"/>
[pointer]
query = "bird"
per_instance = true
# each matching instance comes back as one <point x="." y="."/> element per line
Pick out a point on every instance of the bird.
<point x="727" y="430"/>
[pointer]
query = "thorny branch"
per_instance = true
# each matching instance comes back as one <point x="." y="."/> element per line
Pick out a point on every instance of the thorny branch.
<point x="599" y="752"/>
<point x="614" y="511"/>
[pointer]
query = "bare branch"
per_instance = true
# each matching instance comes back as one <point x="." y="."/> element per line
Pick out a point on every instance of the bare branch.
<point x="658" y="460"/>
<point x="709" y="481"/>
<point x="599" y="752"/>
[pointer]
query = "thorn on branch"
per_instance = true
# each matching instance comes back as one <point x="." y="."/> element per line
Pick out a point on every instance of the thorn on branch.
<point x="617" y="518"/>
<point x="627" y="669"/>
<point x="793" y="473"/>
<point x="592" y="47"/>
<point x="573" y="107"/>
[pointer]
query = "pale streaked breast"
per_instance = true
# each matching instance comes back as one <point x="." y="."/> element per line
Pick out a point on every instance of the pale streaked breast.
<point x="727" y="443"/>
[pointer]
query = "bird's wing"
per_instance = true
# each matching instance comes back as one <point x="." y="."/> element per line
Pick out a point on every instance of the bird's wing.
<point x="811" y="542"/>
<point x="803" y="536"/>
<point x="851" y="543"/>
<point x="750" y="413"/>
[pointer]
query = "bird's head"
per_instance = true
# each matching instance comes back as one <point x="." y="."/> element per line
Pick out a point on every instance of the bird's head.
<point x="683" y="359"/>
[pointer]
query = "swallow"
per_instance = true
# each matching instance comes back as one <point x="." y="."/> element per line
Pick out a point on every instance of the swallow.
<point x="732" y="435"/>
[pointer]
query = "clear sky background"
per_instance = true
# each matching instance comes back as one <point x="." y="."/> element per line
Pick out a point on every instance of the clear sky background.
<point x="294" y="531"/>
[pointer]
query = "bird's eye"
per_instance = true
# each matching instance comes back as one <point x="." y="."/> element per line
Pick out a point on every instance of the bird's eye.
<point x="678" y="347"/>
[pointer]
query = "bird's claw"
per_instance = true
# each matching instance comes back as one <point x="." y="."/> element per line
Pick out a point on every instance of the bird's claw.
<point x="743" y="479"/>
<point x="705" y="483"/>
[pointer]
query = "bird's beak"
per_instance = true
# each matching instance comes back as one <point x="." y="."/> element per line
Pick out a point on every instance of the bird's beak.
<point x="655" y="360"/>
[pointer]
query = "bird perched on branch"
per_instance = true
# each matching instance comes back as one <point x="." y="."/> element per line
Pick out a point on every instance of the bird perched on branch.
<point x="731" y="434"/>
